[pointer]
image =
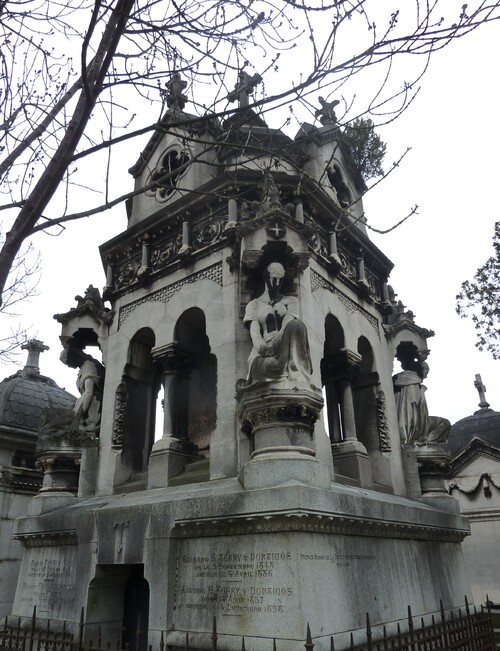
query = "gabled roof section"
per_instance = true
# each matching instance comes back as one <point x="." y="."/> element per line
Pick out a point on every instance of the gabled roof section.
<point x="476" y="448"/>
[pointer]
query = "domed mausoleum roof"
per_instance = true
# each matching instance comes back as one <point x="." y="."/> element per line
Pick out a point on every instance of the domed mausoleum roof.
<point x="484" y="424"/>
<point x="24" y="395"/>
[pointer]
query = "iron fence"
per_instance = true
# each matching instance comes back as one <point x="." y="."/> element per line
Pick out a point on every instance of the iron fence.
<point x="463" y="630"/>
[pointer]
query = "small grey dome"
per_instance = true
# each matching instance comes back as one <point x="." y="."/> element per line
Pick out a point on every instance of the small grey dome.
<point x="24" y="395"/>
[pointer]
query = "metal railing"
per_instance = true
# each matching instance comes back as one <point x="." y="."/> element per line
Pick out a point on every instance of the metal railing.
<point x="462" y="630"/>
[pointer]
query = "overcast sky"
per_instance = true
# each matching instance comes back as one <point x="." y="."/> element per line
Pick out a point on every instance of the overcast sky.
<point x="451" y="173"/>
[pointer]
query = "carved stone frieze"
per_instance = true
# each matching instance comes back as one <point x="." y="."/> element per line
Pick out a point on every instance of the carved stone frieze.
<point x="318" y="282"/>
<point x="165" y="246"/>
<point x="214" y="273"/>
<point x="314" y="522"/>
<point x="208" y="233"/>
<point x="382" y="424"/>
<point x="119" y="416"/>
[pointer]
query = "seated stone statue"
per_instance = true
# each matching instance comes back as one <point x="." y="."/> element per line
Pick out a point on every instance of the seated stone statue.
<point x="280" y="344"/>
<point x="416" y="427"/>
<point x="83" y="421"/>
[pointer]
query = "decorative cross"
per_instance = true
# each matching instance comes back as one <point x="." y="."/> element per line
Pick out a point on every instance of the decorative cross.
<point x="481" y="389"/>
<point x="277" y="230"/>
<point x="244" y="88"/>
<point x="176" y="100"/>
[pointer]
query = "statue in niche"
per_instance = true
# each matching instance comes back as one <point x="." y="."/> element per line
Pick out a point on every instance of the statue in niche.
<point x="81" y="423"/>
<point x="416" y="427"/>
<point x="280" y="344"/>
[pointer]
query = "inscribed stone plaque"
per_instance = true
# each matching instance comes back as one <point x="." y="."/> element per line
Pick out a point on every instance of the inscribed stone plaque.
<point x="261" y="584"/>
<point x="47" y="581"/>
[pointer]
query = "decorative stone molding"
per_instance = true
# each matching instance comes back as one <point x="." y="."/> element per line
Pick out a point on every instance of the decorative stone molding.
<point x="485" y="481"/>
<point x="48" y="539"/>
<point x="214" y="272"/>
<point x="314" y="522"/>
<point x="20" y="479"/>
<point x="318" y="282"/>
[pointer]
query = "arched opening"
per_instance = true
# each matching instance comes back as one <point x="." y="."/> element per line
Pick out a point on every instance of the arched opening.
<point x="200" y="391"/>
<point x="136" y="610"/>
<point x="369" y="411"/>
<point x="334" y="343"/>
<point x="189" y="378"/>
<point x="118" y="606"/>
<point x="136" y="398"/>
<point x="364" y="395"/>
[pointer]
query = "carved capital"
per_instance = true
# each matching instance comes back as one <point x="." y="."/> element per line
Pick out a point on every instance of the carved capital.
<point x="342" y="365"/>
<point x="174" y="358"/>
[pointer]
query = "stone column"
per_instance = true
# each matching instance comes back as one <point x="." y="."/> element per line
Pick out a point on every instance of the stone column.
<point x="174" y="450"/>
<point x="350" y="456"/>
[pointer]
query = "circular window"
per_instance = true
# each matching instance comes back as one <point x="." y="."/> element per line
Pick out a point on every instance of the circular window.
<point x="170" y="168"/>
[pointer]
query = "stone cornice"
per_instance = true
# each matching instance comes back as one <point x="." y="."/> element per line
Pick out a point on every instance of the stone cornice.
<point x="314" y="522"/>
<point x="47" y="538"/>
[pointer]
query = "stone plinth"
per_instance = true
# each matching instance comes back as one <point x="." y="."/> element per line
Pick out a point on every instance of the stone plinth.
<point x="433" y="464"/>
<point x="264" y="560"/>
<point x="280" y="419"/>
<point x="61" y="468"/>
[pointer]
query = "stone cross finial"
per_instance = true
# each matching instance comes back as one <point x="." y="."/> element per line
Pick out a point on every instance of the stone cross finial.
<point x="326" y="113"/>
<point x="34" y="348"/>
<point x="481" y="389"/>
<point x="176" y="99"/>
<point x="244" y="88"/>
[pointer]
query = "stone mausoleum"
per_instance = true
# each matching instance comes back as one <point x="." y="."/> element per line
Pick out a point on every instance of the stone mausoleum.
<point x="293" y="480"/>
<point x="474" y="473"/>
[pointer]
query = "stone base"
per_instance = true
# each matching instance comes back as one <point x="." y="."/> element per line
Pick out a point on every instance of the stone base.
<point x="433" y="464"/>
<point x="351" y="459"/>
<point x="46" y="502"/>
<point x="282" y="467"/>
<point x="280" y="417"/>
<point x="168" y="459"/>
<point x="265" y="562"/>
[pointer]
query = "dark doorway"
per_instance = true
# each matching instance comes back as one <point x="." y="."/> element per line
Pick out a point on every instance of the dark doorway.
<point x="136" y="610"/>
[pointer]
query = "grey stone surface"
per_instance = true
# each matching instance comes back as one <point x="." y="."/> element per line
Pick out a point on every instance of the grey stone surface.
<point x="254" y="557"/>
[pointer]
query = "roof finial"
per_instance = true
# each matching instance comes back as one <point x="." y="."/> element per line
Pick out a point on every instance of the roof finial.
<point x="34" y="348"/>
<point x="326" y="114"/>
<point x="176" y="100"/>
<point x="244" y="88"/>
<point x="481" y="389"/>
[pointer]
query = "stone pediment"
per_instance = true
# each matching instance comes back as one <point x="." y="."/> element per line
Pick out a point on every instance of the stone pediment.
<point x="475" y="449"/>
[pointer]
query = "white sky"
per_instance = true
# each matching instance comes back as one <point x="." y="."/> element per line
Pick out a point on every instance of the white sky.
<point x="450" y="173"/>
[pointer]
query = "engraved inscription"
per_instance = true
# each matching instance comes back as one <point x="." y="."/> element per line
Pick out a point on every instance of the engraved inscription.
<point x="235" y="583"/>
<point x="232" y="576"/>
<point x="48" y="583"/>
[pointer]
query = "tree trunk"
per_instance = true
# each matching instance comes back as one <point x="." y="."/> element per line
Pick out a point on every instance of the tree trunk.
<point x="50" y="179"/>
